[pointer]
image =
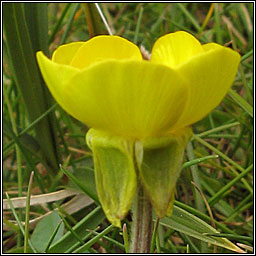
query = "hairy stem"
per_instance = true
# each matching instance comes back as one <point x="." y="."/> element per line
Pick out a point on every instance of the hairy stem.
<point x="141" y="223"/>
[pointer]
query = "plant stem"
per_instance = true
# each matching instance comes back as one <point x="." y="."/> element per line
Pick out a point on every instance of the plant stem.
<point x="141" y="223"/>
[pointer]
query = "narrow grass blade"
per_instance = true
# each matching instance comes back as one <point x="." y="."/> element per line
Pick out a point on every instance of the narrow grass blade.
<point x="195" y="176"/>
<point x="17" y="148"/>
<point x="90" y="221"/>
<point x="80" y="185"/>
<point x="19" y="222"/>
<point x="247" y="55"/>
<point x="218" y="30"/>
<point x="28" y="159"/>
<point x="126" y="239"/>
<point x="121" y="246"/>
<point x="31" y="125"/>
<point x="45" y="229"/>
<point x="69" y="22"/>
<point x="202" y="216"/>
<point x="73" y="232"/>
<point x="93" y="19"/>
<point x="27" y="213"/>
<point x="58" y="24"/>
<point x="217" y="129"/>
<point x="190" y="225"/>
<point x="198" y="160"/>
<point x="207" y="18"/>
<point x="246" y="247"/>
<point x="52" y="236"/>
<point x="221" y="192"/>
<point x="237" y="166"/>
<point x="154" y="235"/>
<point x="10" y="225"/>
<point x="241" y="102"/>
<point x="36" y="15"/>
<point x="243" y="205"/>
<point x="188" y="15"/>
<point x="27" y="77"/>
<point x="86" y="246"/>
<point x="231" y="236"/>
<point x="135" y="40"/>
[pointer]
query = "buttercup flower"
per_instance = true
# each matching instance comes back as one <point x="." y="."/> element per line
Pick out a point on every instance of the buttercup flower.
<point x="137" y="106"/>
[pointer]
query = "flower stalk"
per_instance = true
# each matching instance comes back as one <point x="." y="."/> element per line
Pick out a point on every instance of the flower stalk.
<point x="141" y="223"/>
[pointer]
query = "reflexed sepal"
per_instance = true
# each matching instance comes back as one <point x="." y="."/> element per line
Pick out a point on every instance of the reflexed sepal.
<point x="114" y="173"/>
<point x="159" y="163"/>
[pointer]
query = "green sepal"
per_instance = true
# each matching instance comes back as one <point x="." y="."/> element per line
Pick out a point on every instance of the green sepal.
<point x="170" y="206"/>
<point x="159" y="162"/>
<point x="115" y="175"/>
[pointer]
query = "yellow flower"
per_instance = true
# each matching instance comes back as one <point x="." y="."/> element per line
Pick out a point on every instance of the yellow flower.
<point x="139" y="110"/>
<point x="106" y="84"/>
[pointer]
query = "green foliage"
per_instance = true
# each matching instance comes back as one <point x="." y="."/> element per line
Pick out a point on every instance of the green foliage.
<point x="24" y="35"/>
<point x="39" y="136"/>
<point x="44" y="229"/>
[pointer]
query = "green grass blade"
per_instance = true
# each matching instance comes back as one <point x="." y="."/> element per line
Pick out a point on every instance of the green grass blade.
<point x="198" y="160"/>
<point x="241" y="102"/>
<point x="241" y="169"/>
<point x="52" y="237"/>
<point x="18" y="153"/>
<point x="69" y="22"/>
<point x="231" y="236"/>
<point x="121" y="246"/>
<point x="36" y="15"/>
<point x="217" y="129"/>
<point x="202" y="216"/>
<point x="28" y="159"/>
<point x="27" y="213"/>
<point x="80" y="185"/>
<point x="45" y="229"/>
<point x="218" y="30"/>
<point x="195" y="176"/>
<point x="86" y="246"/>
<point x="89" y="222"/>
<point x="57" y="26"/>
<point x="26" y="75"/>
<point x="190" y="225"/>
<point x="247" y="55"/>
<point x="154" y="235"/>
<point x="126" y="239"/>
<point x="31" y="125"/>
<point x="135" y="40"/>
<point x="221" y="192"/>
<point x="93" y="19"/>
<point x="19" y="222"/>
<point x="189" y="16"/>
<point x="72" y="231"/>
<point x="240" y="207"/>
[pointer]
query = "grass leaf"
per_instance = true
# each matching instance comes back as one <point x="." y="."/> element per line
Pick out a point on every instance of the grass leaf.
<point x="190" y="225"/>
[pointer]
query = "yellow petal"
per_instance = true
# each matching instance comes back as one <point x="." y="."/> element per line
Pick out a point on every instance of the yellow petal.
<point x="129" y="98"/>
<point x="65" y="53"/>
<point x="175" y="48"/>
<point x="55" y="76"/>
<point x="105" y="47"/>
<point x="211" y="46"/>
<point x="210" y="75"/>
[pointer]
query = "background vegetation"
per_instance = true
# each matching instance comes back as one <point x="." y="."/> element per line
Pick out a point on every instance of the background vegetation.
<point x="54" y="207"/>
